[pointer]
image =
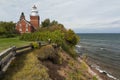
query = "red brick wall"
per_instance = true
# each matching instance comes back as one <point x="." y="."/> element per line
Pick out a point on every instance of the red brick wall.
<point x="34" y="20"/>
<point x="21" y="27"/>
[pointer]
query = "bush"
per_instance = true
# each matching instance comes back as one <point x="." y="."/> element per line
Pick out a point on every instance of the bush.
<point x="49" y="53"/>
<point x="70" y="50"/>
<point x="85" y="57"/>
<point x="95" y="78"/>
<point x="56" y="33"/>
<point x="56" y="36"/>
<point x="71" y="37"/>
<point x="35" y="45"/>
<point x="7" y="29"/>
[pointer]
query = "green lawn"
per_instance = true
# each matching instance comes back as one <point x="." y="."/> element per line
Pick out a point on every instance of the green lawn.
<point x="9" y="42"/>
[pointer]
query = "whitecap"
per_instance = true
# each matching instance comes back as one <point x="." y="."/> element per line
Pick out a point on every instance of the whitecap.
<point x="110" y="76"/>
<point x="103" y="71"/>
<point x="78" y="46"/>
<point x="101" y="48"/>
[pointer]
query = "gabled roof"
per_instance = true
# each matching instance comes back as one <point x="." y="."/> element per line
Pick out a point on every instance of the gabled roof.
<point x="26" y="22"/>
<point x="22" y="17"/>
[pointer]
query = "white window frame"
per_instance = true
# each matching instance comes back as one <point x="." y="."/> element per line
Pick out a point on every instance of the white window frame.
<point x="20" y="28"/>
<point x="26" y="27"/>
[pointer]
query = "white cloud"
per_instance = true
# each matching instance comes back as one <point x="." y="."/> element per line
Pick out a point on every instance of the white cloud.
<point x="79" y="15"/>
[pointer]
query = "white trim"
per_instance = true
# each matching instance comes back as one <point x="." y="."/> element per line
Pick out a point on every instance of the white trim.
<point x="24" y="20"/>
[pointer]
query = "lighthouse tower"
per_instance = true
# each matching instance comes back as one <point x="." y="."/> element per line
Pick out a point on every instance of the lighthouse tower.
<point x="34" y="17"/>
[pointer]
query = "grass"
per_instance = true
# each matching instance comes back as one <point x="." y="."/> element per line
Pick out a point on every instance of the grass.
<point x="8" y="42"/>
<point x="26" y="67"/>
<point x="78" y="71"/>
<point x="95" y="78"/>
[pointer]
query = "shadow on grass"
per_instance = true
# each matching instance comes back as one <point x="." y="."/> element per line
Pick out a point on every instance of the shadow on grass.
<point x="16" y="65"/>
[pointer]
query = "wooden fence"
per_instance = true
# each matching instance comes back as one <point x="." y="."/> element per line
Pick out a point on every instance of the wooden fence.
<point x="9" y="54"/>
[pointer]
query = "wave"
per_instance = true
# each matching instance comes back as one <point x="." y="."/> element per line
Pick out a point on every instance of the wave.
<point x="103" y="72"/>
<point x="78" y="46"/>
<point x="102" y="48"/>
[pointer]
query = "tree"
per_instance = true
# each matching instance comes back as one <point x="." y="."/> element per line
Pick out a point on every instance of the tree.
<point x="71" y="37"/>
<point x="54" y="23"/>
<point x="7" y="28"/>
<point x="46" y="23"/>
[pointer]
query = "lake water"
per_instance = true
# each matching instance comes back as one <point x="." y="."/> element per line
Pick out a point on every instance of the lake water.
<point x="103" y="51"/>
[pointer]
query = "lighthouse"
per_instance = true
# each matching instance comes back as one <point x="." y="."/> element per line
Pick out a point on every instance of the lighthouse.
<point x="24" y="26"/>
<point x="34" y="17"/>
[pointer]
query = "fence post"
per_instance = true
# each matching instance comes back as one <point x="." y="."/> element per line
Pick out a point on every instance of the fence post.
<point x="0" y="66"/>
<point x="39" y="43"/>
<point x="14" y="50"/>
<point x="32" y="47"/>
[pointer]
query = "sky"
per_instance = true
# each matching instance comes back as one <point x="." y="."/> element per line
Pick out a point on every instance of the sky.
<point x="83" y="16"/>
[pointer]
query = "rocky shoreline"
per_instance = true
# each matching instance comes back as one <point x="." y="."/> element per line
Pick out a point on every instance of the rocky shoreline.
<point x="89" y="69"/>
<point x="94" y="69"/>
<point x="94" y="72"/>
<point x="102" y="73"/>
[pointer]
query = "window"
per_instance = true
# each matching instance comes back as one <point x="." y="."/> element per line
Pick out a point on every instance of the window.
<point x="20" y="27"/>
<point x="26" y="27"/>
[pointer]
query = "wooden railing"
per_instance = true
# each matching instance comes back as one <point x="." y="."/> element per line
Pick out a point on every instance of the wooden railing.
<point x="9" y="54"/>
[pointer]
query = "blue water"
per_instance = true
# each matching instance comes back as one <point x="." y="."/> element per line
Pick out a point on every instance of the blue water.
<point x="103" y="50"/>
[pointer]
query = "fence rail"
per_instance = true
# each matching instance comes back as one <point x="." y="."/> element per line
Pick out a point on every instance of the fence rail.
<point x="20" y="48"/>
<point x="9" y="54"/>
<point x="5" y="52"/>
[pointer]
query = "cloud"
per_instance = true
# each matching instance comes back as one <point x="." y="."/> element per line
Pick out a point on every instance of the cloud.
<point x="89" y="15"/>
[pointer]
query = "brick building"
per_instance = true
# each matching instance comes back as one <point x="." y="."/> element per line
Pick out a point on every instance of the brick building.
<point x="24" y="26"/>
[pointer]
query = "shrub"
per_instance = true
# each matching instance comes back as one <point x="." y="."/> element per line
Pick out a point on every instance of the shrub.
<point x="70" y="50"/>
<point x="7" y="29"/>
<point x="56" y="36"/>
<point x="35" y="45"/>
<point x="95" y="78"/>
<point x="85" y="57"/>
<point x="49" y="53"/>
<point x="71" y="37"/>
<point x="56" y="33"/>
